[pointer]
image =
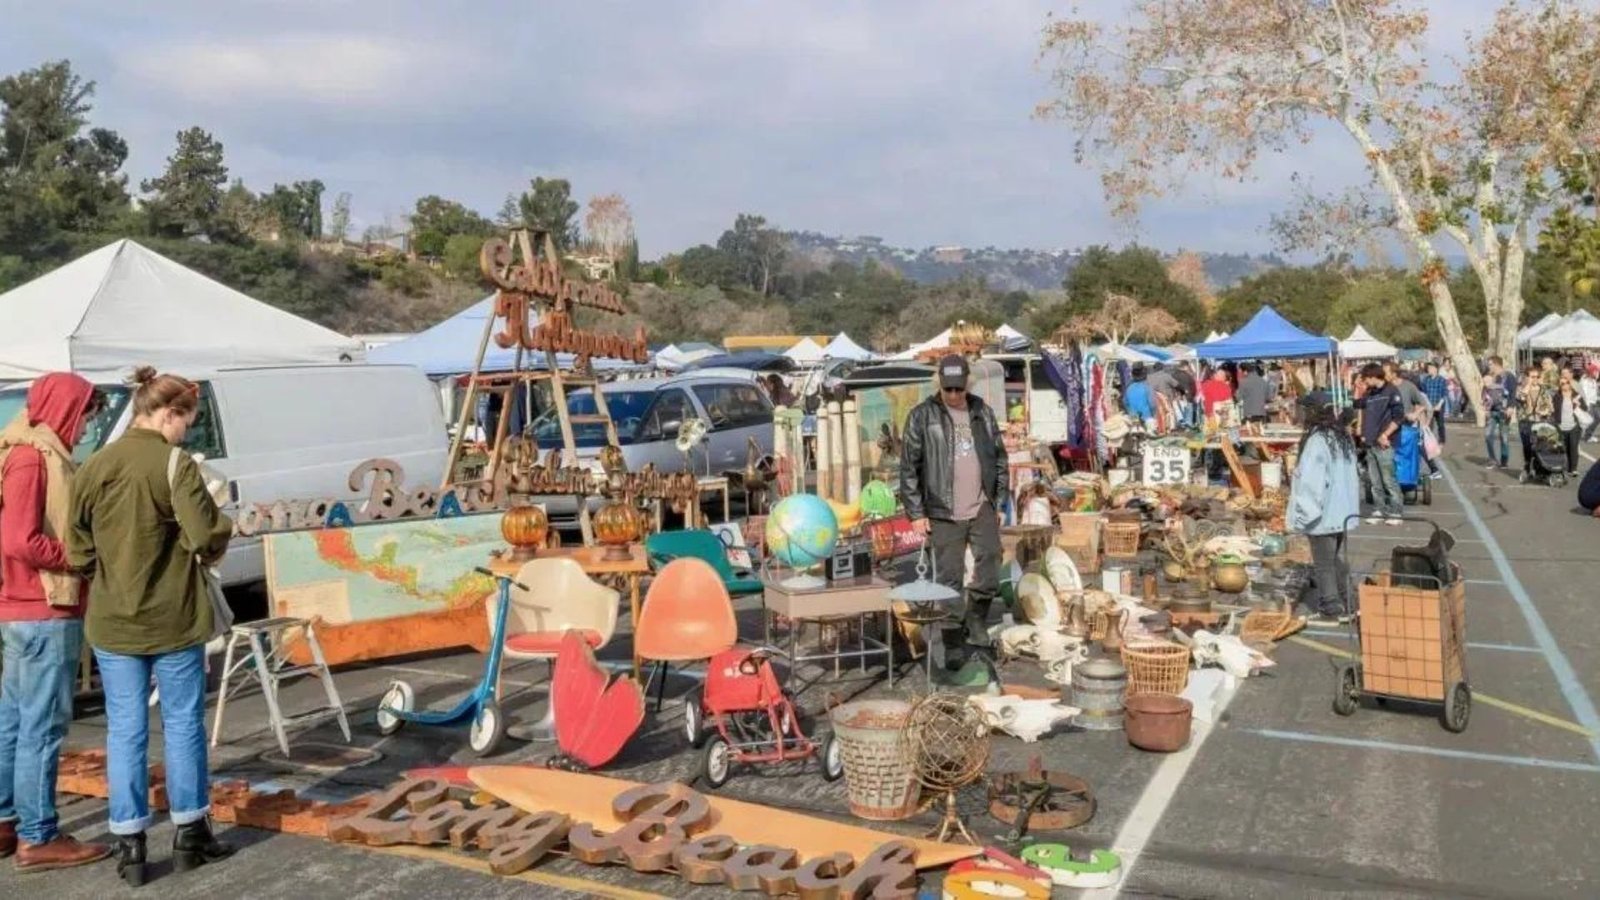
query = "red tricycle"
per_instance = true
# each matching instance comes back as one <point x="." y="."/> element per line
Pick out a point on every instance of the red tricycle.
<point x="755" y="720"/>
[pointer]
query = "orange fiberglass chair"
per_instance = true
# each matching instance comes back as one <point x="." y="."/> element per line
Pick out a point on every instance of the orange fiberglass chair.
<point x="563" y="599"/>
<point x="687" y="616"/>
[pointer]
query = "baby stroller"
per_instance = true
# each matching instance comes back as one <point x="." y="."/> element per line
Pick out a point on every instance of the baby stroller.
<point x="1548" y="461"/>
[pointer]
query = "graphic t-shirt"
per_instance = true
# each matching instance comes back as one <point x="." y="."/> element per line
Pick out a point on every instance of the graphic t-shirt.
<point x="967" y="490"/>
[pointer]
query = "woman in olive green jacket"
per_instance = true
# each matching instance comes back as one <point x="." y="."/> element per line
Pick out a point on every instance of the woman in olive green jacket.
<point x="140" y="529"/>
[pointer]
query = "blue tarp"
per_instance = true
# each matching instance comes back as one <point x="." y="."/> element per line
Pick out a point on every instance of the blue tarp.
<point x="1267" y="336"/>
<point x="451" y="347"/>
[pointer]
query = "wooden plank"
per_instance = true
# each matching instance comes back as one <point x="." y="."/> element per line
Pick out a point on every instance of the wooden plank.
<point x="1240" y="478"/>
<point x="466" y="626"/>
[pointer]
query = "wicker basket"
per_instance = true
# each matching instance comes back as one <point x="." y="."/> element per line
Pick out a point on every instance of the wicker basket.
<point x="1156" y="668"/>
<point x="1079" y="529"/>
<point x="1262" y="626"/>
<point x="880" y="784"/>
<point x="1121" y="539"/>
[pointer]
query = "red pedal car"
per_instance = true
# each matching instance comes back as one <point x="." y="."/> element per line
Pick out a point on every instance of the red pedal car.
<point x="755" y="720"/>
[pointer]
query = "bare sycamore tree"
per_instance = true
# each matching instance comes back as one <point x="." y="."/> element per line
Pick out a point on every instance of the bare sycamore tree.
<point x="1119" y="320"/>
<point x="1209" y="85"/>
<point x="609" y="223"/>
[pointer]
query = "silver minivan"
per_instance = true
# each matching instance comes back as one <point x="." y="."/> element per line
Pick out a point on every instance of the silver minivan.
<point x="649" y="414"/>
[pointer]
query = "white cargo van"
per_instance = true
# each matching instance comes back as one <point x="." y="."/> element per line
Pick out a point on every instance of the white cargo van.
<point x="292" y="433"/>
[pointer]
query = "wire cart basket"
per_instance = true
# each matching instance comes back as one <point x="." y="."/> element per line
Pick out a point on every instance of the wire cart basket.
<point x="1410" y="632"/>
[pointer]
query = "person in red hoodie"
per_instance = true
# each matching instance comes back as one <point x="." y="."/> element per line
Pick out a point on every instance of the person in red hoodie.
<point x="41" y="620"/>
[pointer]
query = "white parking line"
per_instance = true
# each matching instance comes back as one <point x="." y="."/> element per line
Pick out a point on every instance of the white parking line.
<point x="1567" y="680"/>
<point x="1158" y="794"/>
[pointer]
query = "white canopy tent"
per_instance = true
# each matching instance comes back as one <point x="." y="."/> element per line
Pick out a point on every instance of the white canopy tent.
<point x="1005" y="333"/>
<point x="1362" y="345"/>
<point x="124" y="305"/>
<point x="842" y="347"/>
<point x="673" y="357"/>
<point x="1550" y="321"/>
<point x="1124" y="353"/>
<point x="1214" y="337"/>
<point x="1579" y="331"/>
<point x="806" y="352"/>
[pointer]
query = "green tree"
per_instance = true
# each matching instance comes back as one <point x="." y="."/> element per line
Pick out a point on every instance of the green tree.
<point x="548" y="206"/>
<point x="436" y="220"/>
<point x="1138" y="272"/>
<point x="296" y="209"/>
<point x="339" y="222"/>
<point x="460" y="256"/>
<point x="1302" y="294"/>
<point x="53" y="176"/>
<point x="757" y="251"/>
<point x="187" y="198"/>
<point x="704" y="265"/>
<point x="1393" y="306"/>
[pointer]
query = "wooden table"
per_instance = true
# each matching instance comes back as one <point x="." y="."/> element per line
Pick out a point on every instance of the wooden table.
<point x="634" y="568"/>
<point x="858" y="597"/>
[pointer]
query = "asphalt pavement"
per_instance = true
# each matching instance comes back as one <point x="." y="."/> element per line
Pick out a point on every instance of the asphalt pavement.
<point x="1281" y="798"/>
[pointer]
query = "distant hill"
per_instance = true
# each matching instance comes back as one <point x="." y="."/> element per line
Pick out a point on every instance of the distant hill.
<point x="1002" y="270"/>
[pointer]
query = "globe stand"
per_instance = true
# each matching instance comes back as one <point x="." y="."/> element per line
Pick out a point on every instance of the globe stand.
<point x="951" y="825"/>
<point x="803" y="581"/>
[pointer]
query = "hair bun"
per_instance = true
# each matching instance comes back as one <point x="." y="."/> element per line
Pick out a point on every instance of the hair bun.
<point x="143" y="375"/>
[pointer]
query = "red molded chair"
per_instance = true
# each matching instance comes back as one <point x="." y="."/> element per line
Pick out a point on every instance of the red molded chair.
<point x="687" y="616"/>
<point x="563" y="599"/>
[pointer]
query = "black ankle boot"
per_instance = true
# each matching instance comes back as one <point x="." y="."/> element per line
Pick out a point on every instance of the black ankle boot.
<point x="195" y="845"/>
<point x="130" y="858"/>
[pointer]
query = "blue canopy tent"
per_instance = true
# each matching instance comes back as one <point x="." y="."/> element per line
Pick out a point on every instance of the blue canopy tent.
<point x="1268" y="336"/>
<point x="451" y="348"/>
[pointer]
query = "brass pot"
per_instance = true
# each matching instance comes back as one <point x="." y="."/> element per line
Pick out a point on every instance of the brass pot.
<point x="1230" y="577"/>
<point x="1174" y="570"/>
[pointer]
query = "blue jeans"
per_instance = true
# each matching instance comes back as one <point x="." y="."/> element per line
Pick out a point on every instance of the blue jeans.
<point x="181" y="677"/>
<point x="1494" y="431"/>
<point x="35" y="709"/>
<point x="1386" y="496"/>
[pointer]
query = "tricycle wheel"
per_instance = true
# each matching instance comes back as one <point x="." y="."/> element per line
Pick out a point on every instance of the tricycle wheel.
<point x="1457" y="708"/>
<point x="832" y="758"/>
<point x="488" y="727"/>
<point x="717" y="764"/>
<point x="694" y="718"/>
<point x="1348" y="696"/>
<point x="399" y="699"/>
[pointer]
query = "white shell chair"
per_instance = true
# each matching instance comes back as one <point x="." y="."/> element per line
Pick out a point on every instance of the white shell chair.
<point x="563" y="598"/>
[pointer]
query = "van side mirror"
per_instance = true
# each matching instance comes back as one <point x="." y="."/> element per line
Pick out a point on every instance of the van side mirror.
<point x="671" y="427"/>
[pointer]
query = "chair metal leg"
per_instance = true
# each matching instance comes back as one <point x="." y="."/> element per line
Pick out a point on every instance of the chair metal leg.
<point x="222" y="688"/>
<point x="327" y="681"/>
<point x="661" y="689"/>
<point x="269" y="688"/>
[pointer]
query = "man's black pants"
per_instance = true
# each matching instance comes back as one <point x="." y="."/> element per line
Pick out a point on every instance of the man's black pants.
<point x="949" y="542"/>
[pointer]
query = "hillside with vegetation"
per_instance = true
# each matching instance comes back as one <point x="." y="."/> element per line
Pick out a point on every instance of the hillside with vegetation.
<point x="64" y="192"/>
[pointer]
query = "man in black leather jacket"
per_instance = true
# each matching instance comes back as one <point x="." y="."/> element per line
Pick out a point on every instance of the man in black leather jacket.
<point x="952" y="475"/>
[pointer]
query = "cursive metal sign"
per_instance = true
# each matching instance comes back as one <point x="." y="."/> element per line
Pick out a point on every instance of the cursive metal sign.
<point x="536" y="283"/>
<point x="666" y="829"/>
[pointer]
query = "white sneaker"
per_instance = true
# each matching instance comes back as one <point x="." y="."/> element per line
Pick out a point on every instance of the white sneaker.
<point x="1393" y="522"/>
<point x="1374" y="520"/>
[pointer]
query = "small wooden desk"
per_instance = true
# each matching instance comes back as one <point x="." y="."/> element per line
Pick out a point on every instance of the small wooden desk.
<point x="634" y="568"/>
<point x="859" y="597"/>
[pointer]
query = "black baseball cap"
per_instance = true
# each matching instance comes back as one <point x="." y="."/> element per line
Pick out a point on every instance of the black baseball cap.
<point x="953" y="371"/>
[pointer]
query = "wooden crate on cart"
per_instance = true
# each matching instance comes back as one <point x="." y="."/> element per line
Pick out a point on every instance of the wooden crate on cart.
<point x="1413" y="639"/>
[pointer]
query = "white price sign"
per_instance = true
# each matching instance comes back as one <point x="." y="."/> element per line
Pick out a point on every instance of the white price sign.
<point x="1165" y="464"/>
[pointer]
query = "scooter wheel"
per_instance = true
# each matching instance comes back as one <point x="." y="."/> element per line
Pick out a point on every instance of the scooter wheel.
<point x="694" y="718"/>
<point x="488" y="727"/>
<point x="717" y="764"/>
<point x="1347" y="697"/>
<point x="832" y="758"/>
<point x="398" y="701"/>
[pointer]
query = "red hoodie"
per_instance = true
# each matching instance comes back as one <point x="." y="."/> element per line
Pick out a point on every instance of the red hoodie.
<point x="59" y="401"/>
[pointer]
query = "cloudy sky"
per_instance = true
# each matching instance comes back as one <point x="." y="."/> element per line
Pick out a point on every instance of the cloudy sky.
<point x="906" y="119"/>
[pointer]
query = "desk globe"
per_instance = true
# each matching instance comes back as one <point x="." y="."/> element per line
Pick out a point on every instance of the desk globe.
<point x="801" y="534"/>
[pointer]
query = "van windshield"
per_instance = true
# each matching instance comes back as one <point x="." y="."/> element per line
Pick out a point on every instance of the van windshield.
<point x="13" y="399"/>
<point x="627" y="410"/>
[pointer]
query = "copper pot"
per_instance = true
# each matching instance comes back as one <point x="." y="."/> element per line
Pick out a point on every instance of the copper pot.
<point x="616" y="527"/>
<point x="525" y="528"/>
<point x="1230" y="577"/>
